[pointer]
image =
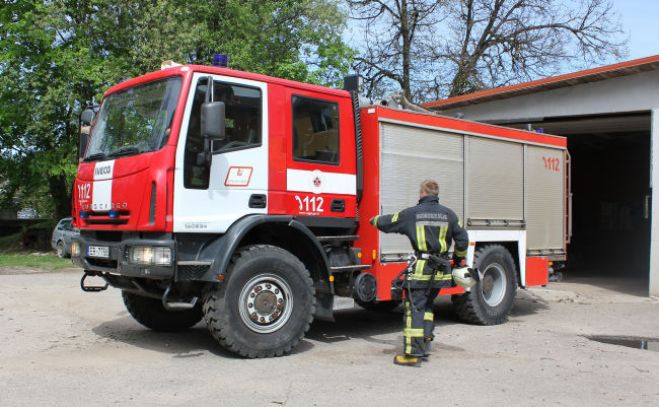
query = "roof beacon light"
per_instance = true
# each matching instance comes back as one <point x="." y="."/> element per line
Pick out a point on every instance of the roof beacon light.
<point x="221" y="60"/>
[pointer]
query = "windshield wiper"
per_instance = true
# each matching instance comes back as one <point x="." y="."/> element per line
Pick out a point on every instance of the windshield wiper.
<point x="125" y="151"/>
<point x="94" y="157"/>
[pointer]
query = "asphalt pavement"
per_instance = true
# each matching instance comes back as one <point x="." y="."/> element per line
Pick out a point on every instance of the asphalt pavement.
<point x="61" y="346"/>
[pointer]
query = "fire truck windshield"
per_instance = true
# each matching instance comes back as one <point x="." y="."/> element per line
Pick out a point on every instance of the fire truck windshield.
<point x="135" y="120"/>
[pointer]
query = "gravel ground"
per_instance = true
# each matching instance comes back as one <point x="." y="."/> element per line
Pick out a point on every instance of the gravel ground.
<point x="61" y="346"/>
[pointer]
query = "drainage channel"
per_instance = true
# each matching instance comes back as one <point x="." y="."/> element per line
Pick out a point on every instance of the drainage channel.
<point x="651" y="344"/>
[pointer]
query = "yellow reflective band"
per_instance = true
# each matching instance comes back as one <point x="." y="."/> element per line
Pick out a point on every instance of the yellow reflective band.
<point x="408" y="345"/>
<point x="394" y="218"/>
<point x="443" y="277"/>
<point x="418" y="269"/>
<point x="428" y="316"/>
<point x="442" y="239"/>
<point x="423" y="239"/>
<point x="413" y="333"/>
<point x="420" y="278"/>
<point x="408" y="315"/>
<point x="460" y="253"/>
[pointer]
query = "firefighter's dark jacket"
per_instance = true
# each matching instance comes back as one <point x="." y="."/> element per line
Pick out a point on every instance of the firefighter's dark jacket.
<point x="430" y="228"/>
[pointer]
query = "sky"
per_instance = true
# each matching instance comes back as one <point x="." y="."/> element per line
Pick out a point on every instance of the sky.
<point x="640" y="20"/>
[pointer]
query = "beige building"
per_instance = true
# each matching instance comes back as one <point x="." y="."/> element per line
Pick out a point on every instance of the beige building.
<point x="610" y="116"/>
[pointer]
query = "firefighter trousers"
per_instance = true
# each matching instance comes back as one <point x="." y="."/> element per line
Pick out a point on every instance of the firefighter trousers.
<point x="419" y="320"/>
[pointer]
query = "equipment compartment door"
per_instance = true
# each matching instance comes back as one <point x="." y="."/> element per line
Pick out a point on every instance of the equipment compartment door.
<point x="408" y="156"/>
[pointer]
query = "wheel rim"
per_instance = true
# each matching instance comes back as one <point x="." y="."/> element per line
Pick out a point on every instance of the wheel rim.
<point x="60" y="249"/>
<point x="266" y="303"/>
<point x="493" y="284"/>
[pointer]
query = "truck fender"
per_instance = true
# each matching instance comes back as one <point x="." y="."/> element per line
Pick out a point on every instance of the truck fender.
<point x="226" y="246"/>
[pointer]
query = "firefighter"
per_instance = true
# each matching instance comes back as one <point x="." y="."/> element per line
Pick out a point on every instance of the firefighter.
<point x="430" y="228"/>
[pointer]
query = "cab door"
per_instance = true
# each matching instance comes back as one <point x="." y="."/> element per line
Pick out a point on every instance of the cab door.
<point x="211" y="199"/>
<point x="320" y="167"/>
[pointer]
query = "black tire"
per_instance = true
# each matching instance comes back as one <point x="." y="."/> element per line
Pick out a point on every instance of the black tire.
<point x="484" y="304"/>
<point x="150" y="313"/>
<point x="274" y="276"/>
<point x="61" y="250"/>
<point x="378" y="306"/>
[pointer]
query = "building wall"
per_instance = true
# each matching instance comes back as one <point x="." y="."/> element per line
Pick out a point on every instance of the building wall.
<point x="633" y="93"/>
<point x="625" y="94"/>
<point x="654" y="239"/>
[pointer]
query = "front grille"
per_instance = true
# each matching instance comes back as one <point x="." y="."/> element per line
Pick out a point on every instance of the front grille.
<point x="192" y="271"/>
<point x="103" y="218"/>
<point x="108" y="236"/>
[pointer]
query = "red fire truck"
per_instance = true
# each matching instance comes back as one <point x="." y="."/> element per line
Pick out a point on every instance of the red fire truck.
<point x="244" y="200"/>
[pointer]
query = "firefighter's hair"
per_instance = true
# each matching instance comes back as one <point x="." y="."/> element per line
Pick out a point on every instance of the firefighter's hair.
<point x="430" y="187"/>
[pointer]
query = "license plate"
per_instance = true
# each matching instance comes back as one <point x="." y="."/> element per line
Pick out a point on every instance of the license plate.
<point x="98" y="251"/>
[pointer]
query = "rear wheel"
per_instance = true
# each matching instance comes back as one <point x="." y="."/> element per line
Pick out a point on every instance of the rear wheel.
<point x="490" y="301"/>
<point x="265" y="306"/>
<point x="150" y="313"/>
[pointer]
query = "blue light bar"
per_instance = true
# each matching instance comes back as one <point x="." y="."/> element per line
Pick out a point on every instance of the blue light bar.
<point x="84" y="215"/>
<point x="221" y="60"/>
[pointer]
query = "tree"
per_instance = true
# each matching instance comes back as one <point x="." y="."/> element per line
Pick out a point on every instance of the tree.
<point x="395" y="33"/>
<point x="468" y="45"/>
<point x="56" y="55"/>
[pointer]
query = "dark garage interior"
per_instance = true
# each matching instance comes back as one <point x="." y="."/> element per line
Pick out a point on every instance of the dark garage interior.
<point x="610" y="245"/>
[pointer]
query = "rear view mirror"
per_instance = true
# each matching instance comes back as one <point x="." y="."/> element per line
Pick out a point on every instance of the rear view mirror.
<point x="212" y="120"/>
<point x="82" y="144"/>
<point x="87" y="116"/>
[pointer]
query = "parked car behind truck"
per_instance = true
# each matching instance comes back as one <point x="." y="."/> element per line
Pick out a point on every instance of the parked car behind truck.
<point x="62" y="235"/>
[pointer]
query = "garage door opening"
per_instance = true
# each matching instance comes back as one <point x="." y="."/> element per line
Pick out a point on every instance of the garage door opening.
<point x="610" y="244"/>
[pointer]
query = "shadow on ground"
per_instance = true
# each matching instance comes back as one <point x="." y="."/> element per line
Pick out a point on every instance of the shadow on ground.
<point x="352" y="323"/>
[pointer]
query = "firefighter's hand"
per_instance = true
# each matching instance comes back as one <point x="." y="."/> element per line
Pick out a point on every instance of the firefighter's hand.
<point x="372" y="221"/>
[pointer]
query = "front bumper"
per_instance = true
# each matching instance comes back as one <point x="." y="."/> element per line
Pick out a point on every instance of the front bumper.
<point x="118" y="260"/>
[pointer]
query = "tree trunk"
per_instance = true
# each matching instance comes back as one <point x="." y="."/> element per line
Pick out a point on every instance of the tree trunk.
<point x="405" y="34"/>
<point x="61" y="195"/>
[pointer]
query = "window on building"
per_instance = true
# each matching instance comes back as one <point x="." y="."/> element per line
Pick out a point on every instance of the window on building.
<point x="315" y="130"/>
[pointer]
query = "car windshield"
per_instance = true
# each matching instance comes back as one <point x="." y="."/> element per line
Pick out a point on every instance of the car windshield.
<point x="133" y="121"/>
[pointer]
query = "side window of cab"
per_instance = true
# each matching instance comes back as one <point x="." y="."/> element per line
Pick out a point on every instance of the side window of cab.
<point x="315" y="130"/>
<point x="243" y="127"/>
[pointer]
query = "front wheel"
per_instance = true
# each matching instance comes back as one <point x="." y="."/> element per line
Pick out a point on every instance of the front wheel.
<point x="265" y="305"/>
<point x="490" y="301"/>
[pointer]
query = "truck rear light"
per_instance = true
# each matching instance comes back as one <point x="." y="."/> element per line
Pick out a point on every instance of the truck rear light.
<point x="149" y="256"/>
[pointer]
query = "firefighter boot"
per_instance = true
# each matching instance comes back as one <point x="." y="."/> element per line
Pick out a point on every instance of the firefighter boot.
<point x="407" y="360"/>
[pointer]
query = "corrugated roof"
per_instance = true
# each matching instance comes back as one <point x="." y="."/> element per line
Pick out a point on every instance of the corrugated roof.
<point x="560" y="81"/>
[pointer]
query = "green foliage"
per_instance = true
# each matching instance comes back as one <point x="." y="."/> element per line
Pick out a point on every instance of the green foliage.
<point x="46" y="261"/>
<point x="56" y="55"/>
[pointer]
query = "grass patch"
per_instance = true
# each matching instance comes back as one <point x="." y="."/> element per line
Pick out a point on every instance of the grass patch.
<point x="34" y="260"/>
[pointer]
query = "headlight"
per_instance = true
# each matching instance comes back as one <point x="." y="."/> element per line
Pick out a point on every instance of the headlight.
<point x="75" y="249"/>
<point x="148" y="256"/>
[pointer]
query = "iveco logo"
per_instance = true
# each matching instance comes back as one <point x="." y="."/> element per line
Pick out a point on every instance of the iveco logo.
<point x="102" y="170"/>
